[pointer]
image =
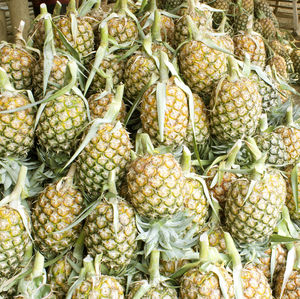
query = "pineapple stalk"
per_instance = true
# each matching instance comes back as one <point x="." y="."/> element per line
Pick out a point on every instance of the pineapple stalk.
<point x="156" y="26"/>
<point x="154" y="267"/>
<point x="71" y="8"/>
<point x="57" y="9"/>
<point x="237" y="265"/>
<point x="186" y="160"/>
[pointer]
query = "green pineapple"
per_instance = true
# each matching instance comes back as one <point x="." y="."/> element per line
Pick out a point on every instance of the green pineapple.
<point x="235" y="106"/>
<point x="252" y="210"/>
<point x="55" y="209"/>
<point x="111" y="230"/>
<point x="17" y="128"/>
<point x="14" y="230"/>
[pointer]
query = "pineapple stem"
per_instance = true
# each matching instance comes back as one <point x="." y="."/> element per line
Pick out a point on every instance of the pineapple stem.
<point x="43" y="9"/>
<point x="156" y="26"/>
<point x="115" y="105"/>
<point x="79" y="247"/>
<point x="191" y="6"/>
<point x="123" y="5"/>
<point x="147" y="145"/>
<point x="196" y="35"/>
<point x="88" y="266"/>
<point x="57" y="9"/>
<point x="71" y="171"/>
<point x="233" y="69"/>
<point x="19" y="40"/>
<point x="289" y="115"/>
<point x="152" y="5"/>
<point x="109" y="84"/>
<point x="154" y="267"/>
<point x="204" y="247"/>
<point x="98" y="4"/>
<point x="297" y="261"/>
<point x="112" y="182"/>
<point x="263" y="122"/>
<point x="4" y="81"/>
<point x="163" y="71"/>
<point x="249" y="27"/>
<point x="49" y="32"/>
<point x="28" y="254"/>
<point x="231" y="249"/>
<point x="232" y="154"/>
<point x="16" y="193"/>
<point x="72" y="7"/>
<point x="221" y="28"/>
<point x="38" y="266"/>
<point x="186" y="160"/>
<point x="254" y="148"/>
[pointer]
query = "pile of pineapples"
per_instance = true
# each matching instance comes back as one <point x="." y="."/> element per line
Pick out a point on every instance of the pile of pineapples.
<point x="150" y="149"/>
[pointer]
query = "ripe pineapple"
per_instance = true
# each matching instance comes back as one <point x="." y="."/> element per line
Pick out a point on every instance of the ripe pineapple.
<point x="155" y="185"/>
<point x="279" y="64"/>
<point x="141" y="67"/>
<point x="105" y="148"/>
<point x="59" y="126"/>
<point x="203" y="280"/>
<point x="95" y="285"/>
<point x="252" y="282"/>
<point x="121" y="26"/>
<point x="292" y="286"/>
<point x="63" y="273"/>
<point x="99" y="105"/>
<point x="114" y="238"/>
<point x="167" y="27"/>
<point x="55" y="209"/>
<point x="175" y="118"/>
<point x="200" y="15"/>
<point x="201" y="66"/>
<point x="291" y="137"/>
<point x="17" y="128"/>
<point x="252" y="217"/>
<point x="81" y="39"/>
<point x="235" y="106"/>
<point x="268" y="28"/>
<point x="17" y="61"/>
<point x="14" y="230"/>
<point x="295" y="56"/>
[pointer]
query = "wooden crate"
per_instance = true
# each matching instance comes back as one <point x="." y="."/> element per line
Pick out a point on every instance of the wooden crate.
<point x="9" y="27"/>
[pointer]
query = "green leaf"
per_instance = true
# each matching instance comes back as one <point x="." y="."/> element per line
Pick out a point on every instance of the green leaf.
<point x="294" y="183"/>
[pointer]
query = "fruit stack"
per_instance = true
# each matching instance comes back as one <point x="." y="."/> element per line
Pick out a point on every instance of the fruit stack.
<point x="150" y="149"/>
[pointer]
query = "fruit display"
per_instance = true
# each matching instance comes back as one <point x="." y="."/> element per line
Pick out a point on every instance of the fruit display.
<point x="150" y="149"/>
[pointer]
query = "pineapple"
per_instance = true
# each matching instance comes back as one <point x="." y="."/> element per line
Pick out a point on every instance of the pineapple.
<point x="169" y="4"/>
<point x="252" y="43"/>
<point x="167" y="27"/>
<point x="81" y="39"/>
<point x="291" y="137"/>
<point x="14" y="230"/>
<point x="56" y="208"/>
<point x="63" y="272"/>
<point x="200" y="15"/>
<point x="155" y="184"/>
<point x="17" y="61"/>
<point x="92" y="284"/>
<point x="120" y="26"/>
<point x="268" y="28"/>
<point x="59" y="125"/>
<point x="250" y="282"/>
<point x="295" y="56"/>
<point x="114" y="238"/>
<point x="251" y="215"/>
<point x="201" y="66"/>
<point x="235" y="107"/>
<point x="175" y="118"/>
<point x="108" y="148"/>
<point x="204" y="280"/>
<point x="293" y="172"/>
<point x="142" y="67"/>
<point x="17" y="128"/>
